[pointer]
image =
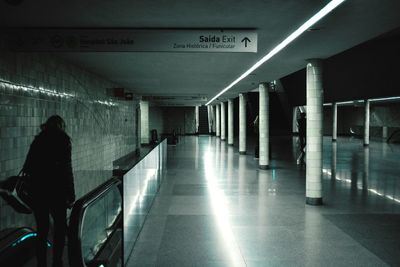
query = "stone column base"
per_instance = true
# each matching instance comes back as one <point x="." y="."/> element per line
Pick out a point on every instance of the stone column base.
<point x="314" y="201"/>
<point x="264" y="167"/>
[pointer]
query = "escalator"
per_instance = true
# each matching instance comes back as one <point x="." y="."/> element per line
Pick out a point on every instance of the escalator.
<point x="94" y="236"/>
<point x="17" y="246"/>
<point x="203" y="120"/>
<point x="394" y="137"/>
<point x="95" y="232"/>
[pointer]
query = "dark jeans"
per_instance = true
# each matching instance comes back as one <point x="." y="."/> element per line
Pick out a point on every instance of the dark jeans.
<point x="302" y="139"/>
<point x="257" y="147"/>
<point x="302" y="148"/>
<point x="59" y="214"/>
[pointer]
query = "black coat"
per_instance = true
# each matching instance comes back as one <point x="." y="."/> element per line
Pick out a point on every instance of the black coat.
<point x="301" y="123"/>
<point x="49" y="165"/>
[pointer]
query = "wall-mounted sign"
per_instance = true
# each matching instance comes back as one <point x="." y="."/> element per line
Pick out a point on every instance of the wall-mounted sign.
<point x="106" y="40"/>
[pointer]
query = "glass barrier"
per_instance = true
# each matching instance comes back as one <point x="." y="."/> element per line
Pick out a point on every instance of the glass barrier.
<point x="140" y="186"/>
<point x="98" y="222"/>
<point x="95" y="218"/>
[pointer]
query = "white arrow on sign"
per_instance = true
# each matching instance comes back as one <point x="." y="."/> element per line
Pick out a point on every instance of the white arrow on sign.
<point x="245" y="40"/>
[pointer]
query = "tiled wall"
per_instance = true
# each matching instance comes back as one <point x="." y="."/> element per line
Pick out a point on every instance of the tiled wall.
<point x="156" y="120"/>
<point x="181" y="119"/>
<point x="36" y="86"/>
<point x="167" y="119"/>
<point x="144" y="122"/>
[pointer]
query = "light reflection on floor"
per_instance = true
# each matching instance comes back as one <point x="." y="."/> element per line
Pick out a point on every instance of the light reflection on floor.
<point x="374" y="181"/>
<point x="220" y="209"/>
<point x="216" y="208"/>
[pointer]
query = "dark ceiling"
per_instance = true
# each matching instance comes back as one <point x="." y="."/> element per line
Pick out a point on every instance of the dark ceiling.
<point x="205" y="74"/>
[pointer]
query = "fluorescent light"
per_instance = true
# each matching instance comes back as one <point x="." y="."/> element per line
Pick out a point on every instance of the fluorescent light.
<point x="351" y="102"/>
<point x="314" y="19"/>
<point x="362" y="101"/>
<point x="346" y="102"/>
<point x="41" y="90"/>
<point x="385" y="98"/>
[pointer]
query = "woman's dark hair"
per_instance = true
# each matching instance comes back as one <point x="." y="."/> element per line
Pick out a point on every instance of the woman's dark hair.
<point x="55" y="122"/>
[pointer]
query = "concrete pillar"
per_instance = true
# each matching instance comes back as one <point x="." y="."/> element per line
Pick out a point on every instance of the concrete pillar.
<point x="213" y="128"/>
<point x="223" y="125"/>
<point x="209" y="118"/>
<point x="242" y="124"/>
<point x="366" y="122"/>
<point x="230" y="122"/>
<point x="196" y="110"/>
<point x="315" y="97"/>
<point x="144" y="122"/>
<point x="334" y="122"/>
<point x="334" y="161"/>
<point x="218" y="121"/>
<point x="263" y="118"/>
<point x="366" y="169"/>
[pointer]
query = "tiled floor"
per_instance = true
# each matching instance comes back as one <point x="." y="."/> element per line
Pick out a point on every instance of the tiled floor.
<point x="216" y="208"/>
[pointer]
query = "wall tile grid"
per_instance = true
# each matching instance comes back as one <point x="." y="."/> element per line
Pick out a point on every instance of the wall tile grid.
<point x="156" y="120"/>
<point x="36" y="86"/>
<point x="180" y="119"/>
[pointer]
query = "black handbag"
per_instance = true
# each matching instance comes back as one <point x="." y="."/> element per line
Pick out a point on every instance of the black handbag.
<point x="16" y="192"/>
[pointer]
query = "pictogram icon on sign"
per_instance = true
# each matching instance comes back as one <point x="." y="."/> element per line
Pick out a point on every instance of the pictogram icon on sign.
<point x="245" y="40"/>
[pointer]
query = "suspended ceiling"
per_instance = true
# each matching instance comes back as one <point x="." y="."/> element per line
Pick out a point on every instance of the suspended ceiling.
<point x="178" y="77"/>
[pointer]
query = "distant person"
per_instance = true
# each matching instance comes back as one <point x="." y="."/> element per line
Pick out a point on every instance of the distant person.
<point x="301" y="124"/>
<point x="174" y="137"/>
<point x="48" y="164"/>
<point x="154" y="137"/>
<point x="257" y="132"/>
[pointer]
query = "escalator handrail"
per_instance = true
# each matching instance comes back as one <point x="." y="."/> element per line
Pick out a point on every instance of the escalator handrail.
<point x="76" y="220"/>
<point x="151" y="148"/>
<point x="392" y="135"/>
<point x="12" y="231"/>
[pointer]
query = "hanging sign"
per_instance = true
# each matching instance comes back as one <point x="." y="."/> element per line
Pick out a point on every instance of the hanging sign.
<point x="106" y="40"/>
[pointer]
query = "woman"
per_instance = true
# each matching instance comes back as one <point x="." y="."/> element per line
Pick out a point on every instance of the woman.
<point x="48" y="163"/>
<point x="301" y="124"/>
<point x="257" y="132"/>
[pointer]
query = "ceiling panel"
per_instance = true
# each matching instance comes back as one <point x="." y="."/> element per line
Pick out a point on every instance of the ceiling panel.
<point x="205" y="74"/>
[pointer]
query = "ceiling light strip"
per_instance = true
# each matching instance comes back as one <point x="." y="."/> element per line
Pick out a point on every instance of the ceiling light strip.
<point x="385" y="99"/>
<point x="394" y="98"/>
<point x="314" y="19"/>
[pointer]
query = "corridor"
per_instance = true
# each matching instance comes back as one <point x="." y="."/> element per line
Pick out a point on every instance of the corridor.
<point x="216" y="208"/>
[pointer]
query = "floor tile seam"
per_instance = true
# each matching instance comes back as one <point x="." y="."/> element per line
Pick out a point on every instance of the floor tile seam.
<point x="145" y="219"/>
<point x="345" y="233"/>
<point x="234" y="237"/>
<point x="375" y="255"/>
<point x="234" y="240"/>
<point x="358" y="243"/>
